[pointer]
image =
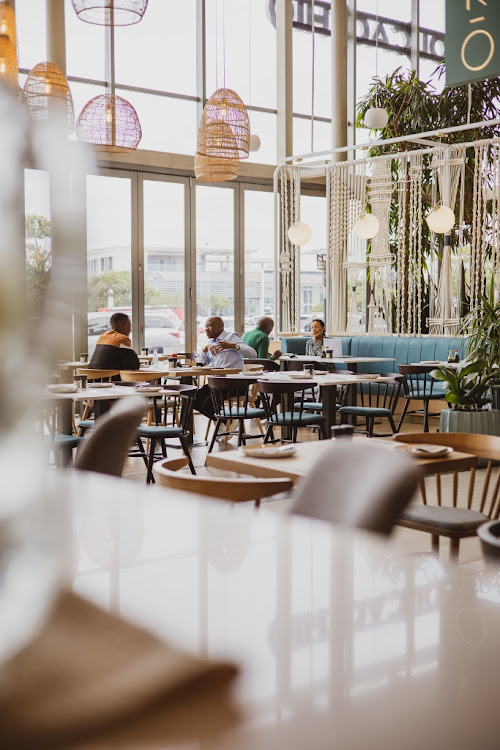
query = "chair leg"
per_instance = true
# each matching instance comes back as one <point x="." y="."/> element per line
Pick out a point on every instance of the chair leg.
<point x="322" y="433"/>
<point x="403" y="413"/>
<point x="214" y="436"/>
<point x="149" y="477"/>
<point x="454" y="548"/>
<point x="142" y="451"/>
<point x="391" y="422"/>
<point x="185" y="448"/>
<point x="435" y="543"/>
<point x="369" y="426"/>
<point x="241" y="431"/>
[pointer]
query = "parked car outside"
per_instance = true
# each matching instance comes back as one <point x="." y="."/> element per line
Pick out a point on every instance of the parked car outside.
<point x="160" y="331"/>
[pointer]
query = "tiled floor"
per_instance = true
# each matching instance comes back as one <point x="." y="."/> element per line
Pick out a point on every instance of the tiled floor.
<point x="412" y="542"/>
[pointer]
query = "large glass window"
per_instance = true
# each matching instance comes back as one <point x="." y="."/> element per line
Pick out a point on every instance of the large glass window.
<point x="159" y="52"/>
<point x="260" y="280"/>
<point x="214" y="255"/>
<point x="37" y="237"/>
<point x="108" y="252"/>
<point x="85" y="45"/>
<point x="164" y="260"/>
<point x="31" y="33"/>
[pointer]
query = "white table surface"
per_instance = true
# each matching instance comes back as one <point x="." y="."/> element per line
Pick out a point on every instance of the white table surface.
<point x="342" y="642"/>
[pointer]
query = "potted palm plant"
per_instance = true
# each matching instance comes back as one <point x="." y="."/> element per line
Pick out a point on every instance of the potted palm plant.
<point x="482" y="327"/>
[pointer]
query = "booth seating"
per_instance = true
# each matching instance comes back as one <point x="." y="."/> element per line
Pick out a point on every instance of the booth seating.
<point x="404" y="349"/>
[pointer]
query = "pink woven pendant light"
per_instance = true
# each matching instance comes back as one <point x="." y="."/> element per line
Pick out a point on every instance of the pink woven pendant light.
<point x="110" y="123"/>
<point x="110" y="12"/>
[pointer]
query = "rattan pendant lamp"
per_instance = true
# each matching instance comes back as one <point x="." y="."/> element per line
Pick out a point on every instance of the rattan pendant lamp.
<point x="8" y="22"/>
<point x="48" y="96"/>
<point x="9" y="68"/>
<point x="109" y="122"/>
<point x="224" y="132"/>
<point x="110" y="12"/>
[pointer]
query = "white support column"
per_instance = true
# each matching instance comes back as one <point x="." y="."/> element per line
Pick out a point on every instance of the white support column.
<point x="56" y="38"/>
<point x="339" y="76"/>
<point x="284" y="82"/>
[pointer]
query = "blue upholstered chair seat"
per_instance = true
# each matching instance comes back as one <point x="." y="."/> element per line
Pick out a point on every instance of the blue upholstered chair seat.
<point x="363" y="411"/>
<point x="310" y="405"/>
<point x="426" y="393"/>
<point x="289" y="418"/>
<point x="63" y="441"/>
<point x="237" y="411"/>
<point x="159" y="431"/>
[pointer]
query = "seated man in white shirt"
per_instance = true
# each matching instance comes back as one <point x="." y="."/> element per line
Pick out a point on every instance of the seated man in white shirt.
<point x="224" y="349"/>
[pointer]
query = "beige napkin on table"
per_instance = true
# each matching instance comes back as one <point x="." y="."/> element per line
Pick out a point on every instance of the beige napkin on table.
<point x="91" y="674"/>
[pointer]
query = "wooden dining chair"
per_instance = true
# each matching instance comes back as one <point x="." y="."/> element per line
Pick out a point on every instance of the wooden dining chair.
<point x="236" y="490"/>
<point x="176" y="422"/>
<point x="455" y="509"/>
<point x="283" y="404"/>
<point x="363" y="485"/>
<point x="96" y="376"/>
<point x="418" y="385"/>
<point x="376" y="400"/>
<point x="232" y="402"/>
<point x="107" y="446"/>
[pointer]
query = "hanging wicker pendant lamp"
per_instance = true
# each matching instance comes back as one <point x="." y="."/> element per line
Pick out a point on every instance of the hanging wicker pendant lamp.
<point x="110" y="123"/>
<point x="8" y="62"/>
<point x="110" y="12"/>
<point x="226" y="107"/>
<point x="49" y="97"/>
<point x="8" y="22"/>
<point x="216" y="139"/>
<point x="215" y="169"/>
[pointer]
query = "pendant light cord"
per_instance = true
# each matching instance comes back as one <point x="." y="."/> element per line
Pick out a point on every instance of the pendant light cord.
<point x="224" y="41"/>
<point x="376" y="60"/>
<point x="312" y="75"/>
<point x="216" y="44"/>
<point x="250" y="64"/>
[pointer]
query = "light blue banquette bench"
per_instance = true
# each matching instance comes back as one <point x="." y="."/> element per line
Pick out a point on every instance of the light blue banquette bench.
<point x="405" y="350"/>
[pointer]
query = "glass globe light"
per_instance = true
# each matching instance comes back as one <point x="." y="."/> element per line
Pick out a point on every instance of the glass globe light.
<point x="440" y="220"/>
<point x="299" y="233"/>
<point x="376" y="118"/>
<point x="254" y="143"/>
<point x="366" y="226"/>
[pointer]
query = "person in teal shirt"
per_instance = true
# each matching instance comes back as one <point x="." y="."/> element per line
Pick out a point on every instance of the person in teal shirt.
<point x="258" y="339"/>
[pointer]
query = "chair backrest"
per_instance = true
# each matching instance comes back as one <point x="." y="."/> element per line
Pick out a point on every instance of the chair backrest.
<point x="381" y="394"/>
<point x="269" y="365"/>
<point x="482" y="446"/>
<point x="360" y="485"/>
<point x="93" y="374"/>
<point x="179" y="407"/>
<point x="106" y="447"/>
<point x="230" y="396"/>
<point x="418" y="382"/>
<point x="282" y="396"/>
<point x="225" y="488"/>
<point x="297" y="365"/>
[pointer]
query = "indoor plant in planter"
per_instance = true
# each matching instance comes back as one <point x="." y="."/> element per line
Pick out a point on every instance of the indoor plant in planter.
<point x="468" y="392"/>
<point x="482" y="328"/>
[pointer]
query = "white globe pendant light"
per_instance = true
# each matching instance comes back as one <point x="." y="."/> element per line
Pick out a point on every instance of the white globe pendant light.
<point x="441" y="219"/>
<point x="376" y="118"/>
<point x="299" y="233"/>
<point x="254" y="142"/>
<point x="366" y="226"/>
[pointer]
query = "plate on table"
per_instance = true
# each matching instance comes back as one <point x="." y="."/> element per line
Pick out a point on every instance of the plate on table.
<point x="272" y="451"/>
<point x="430" y="362"/>
<point x="56" y="388"/>
<point x="299" y="375"/>
<point x="148" y="388"/>
<point x="100" y="385"/>
<point x="428" y="450"/>
<point x="366" y="376"/>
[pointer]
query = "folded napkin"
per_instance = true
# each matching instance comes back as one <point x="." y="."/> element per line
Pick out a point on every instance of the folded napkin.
<point x="91" y="674"/>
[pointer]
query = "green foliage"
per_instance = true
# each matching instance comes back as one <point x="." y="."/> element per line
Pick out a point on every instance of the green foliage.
<point x="414" y="106"/>
<point x="482" y="326"/>
<point x="121" y="284"/>
<point x="214" y="304"/>
<point x="38" y="259"/>
<point x="468" y="388"/>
